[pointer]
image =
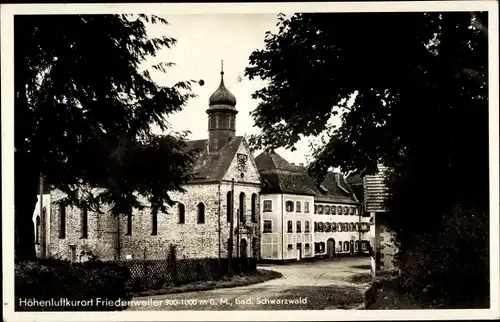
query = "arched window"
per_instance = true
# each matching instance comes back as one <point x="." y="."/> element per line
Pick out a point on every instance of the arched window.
<point x="334" y="226"/>
<point x="201" y="213"/>
<point x="182" y="213"/>
<point x="84" y="223"/>
<point x="37" y="231"/>
<point x="62" y="221"/>
<point x="306" y="227"/>
<point x="340" y="246"/>
<point x="254" y="207"/>
<point x="356" y="246"/>
<point x="345" y="211"/>
<point x="154" y="224"/>
<point x="242" y="207"/>
<point x="228" y="205"/>
<point x="346" y="246"/>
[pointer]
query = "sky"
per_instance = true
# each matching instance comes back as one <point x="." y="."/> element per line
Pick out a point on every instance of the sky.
<point x="203" y="40"/>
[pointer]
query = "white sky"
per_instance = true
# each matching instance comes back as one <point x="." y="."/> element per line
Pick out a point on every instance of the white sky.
<point x="202" y="41"/>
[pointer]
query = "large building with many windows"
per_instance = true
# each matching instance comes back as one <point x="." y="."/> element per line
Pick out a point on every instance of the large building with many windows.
<point x="302" y="219"/>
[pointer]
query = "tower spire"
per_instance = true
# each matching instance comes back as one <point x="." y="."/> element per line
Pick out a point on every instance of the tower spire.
<point x="222" y="66"/>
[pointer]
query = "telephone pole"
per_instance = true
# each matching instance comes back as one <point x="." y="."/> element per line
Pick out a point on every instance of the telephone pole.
<point x="231" y="228"/>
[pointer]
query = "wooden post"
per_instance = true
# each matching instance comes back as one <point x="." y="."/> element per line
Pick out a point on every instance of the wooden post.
<point x="231" y="228"/>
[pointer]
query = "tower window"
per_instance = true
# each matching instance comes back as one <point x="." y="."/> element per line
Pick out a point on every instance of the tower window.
<point x="62" y="221"/>
<point x="129" y="224"/>
<point x="228" y="206"/>
<point x="84" y="224"/>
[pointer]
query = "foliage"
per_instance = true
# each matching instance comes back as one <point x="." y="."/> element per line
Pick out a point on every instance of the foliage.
<point x="55" y="279"/>
<point x="84" y="113"/>
<point x="451" y="267"/>
<point x="411" y="93"/>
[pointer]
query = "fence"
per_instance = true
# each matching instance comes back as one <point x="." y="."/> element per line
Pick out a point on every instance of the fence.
<point x="158" y="273"/>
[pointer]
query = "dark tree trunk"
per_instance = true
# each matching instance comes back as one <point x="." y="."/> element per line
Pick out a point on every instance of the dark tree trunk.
<point x="25" y="200"/>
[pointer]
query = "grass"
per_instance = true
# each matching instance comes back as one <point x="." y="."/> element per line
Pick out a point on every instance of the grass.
<point x="259" y="276"/>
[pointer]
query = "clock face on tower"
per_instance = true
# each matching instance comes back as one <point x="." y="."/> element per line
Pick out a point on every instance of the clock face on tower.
<point x="242" y="162"/>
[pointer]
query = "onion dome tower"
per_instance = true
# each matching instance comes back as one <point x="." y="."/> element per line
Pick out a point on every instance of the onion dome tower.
<point x="221" y="116"/>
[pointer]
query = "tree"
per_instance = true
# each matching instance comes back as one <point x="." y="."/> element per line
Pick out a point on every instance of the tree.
<point x="417" y="83"/>
<point x="84" y="113"/>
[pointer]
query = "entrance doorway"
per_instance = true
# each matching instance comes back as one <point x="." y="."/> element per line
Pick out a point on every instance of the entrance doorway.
<point x="243" y="248"/>
<point x="330" y="247"/>
<point x="299" y="251"/>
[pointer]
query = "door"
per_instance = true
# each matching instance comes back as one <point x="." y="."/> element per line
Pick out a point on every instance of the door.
<point x="330" y="247"/>
<point x="299" y="251"/>
<point x="243" y="248"/>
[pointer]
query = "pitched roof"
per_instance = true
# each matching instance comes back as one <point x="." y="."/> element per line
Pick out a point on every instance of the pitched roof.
<point x="337" y="189"/>
<point x="212" y="167"/>
<point x="280" y="176"/>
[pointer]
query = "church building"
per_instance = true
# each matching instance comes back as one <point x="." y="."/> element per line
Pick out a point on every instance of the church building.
<point x="226" y="181"/>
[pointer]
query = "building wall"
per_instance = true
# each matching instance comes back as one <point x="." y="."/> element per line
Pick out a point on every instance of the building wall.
<point x="271" y="242"/>
<point x="298" y="244"/>
<point x="339" y="236"/>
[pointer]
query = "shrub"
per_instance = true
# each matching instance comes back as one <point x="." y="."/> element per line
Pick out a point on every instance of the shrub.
<point x="58" y="280"/>
<point x="451" y="268"/>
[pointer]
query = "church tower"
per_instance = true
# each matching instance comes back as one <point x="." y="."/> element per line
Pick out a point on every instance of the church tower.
<point x="221" y="117"/>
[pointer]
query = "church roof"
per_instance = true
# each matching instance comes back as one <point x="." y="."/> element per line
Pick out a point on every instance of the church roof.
<point x="211" y="167"/>
<point x="222" y="98"/>
<point x="281" y="176"/>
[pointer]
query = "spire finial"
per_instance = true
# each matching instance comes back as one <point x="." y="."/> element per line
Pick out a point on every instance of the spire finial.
<point x="222" y="66"/>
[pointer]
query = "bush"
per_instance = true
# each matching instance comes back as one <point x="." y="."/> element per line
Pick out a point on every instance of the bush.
<point x="61" y="283"/>
<point x="451" y="269"/>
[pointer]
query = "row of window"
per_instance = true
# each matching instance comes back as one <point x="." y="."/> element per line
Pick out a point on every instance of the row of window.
<point x="289" y="205"/>
<point x="318" y="226"/>
<point x="296" y="206"/>
<point x="332" y="226"/>
<point x="343" y="246"/>
<point x="181" y="209"/>
<point x="332" y="210"/>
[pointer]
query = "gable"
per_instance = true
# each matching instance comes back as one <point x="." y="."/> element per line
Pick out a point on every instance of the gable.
<point x="251" y="174"/>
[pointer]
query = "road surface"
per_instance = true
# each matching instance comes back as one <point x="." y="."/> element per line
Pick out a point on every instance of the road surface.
<point x="304" y="286"/>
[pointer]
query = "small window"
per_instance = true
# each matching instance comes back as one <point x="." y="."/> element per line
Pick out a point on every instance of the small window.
<point x="182" y="212"/>
<point x="356" y="245"/>
<point x="346" y="246"/>
<point x="306" y="227"/>
<point x="315" y="209"/>
<point x="129" y="224"/>
<point x="229" y="200"/>
<point x="320" y="227"/>
<point x="154" y="224"/>
<point x="327" y="210"/>
<point x="289" y="206"/>
<point x="307" y="246"/>
<point x="297" y="206"/>
<point x="85" y="223"/>
<point x="290" y="226"/>
<point x="268" y="226"/>
<point x="334" y="226"/>
<point x="315" y="226"/>
<point x="290" y="246"/>
<point x="340" y="245"/>
<point x="201" y="213"/>
<point x="320" y="209"/>
<point x="321" y="247"/>
<point x="62" y="221"/>
<point x="268" y="205"/>
<point x="336" y="210"/>
<point x="356" y="213"/>
<point x="306" y="206"/>
<point x="345" y="211"/>
<point x="364" y="245"/>
<point x="326" y="225"/>
<point x="299" y="226"/>
<point x="351" y="211"/>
